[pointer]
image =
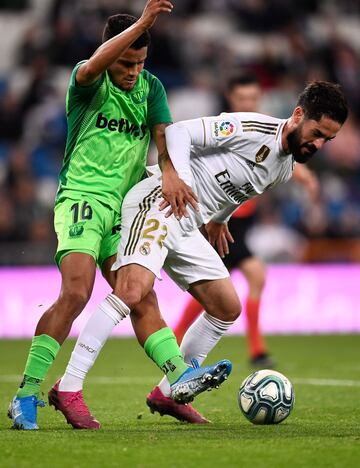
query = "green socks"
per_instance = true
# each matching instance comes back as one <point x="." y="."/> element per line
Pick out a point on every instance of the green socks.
<point x="42" y="353"/>
<point x="163" y="349"/>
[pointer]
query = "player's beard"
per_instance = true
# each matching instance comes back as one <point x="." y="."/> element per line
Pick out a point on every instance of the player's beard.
<point x="296" y="148"/>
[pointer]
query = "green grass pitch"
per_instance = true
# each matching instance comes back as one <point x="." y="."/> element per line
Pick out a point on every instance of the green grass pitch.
<point x="322" y="431"/>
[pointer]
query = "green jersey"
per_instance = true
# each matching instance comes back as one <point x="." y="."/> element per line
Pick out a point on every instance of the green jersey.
<point x="109" y="131"/>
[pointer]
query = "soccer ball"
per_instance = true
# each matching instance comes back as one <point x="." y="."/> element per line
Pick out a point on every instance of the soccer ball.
<point x="266" y="397"/>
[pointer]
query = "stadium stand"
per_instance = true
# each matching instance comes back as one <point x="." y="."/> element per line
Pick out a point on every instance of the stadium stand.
<point x="286" y="43"/>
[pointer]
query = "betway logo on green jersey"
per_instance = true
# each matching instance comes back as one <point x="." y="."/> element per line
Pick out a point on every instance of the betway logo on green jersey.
<point x="121" y="126"/>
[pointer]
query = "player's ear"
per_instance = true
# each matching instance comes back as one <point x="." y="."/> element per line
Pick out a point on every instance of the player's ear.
<point x="298" y="114"/>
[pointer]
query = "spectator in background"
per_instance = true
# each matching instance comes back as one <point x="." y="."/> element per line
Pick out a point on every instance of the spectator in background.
<point x="28" y="211"/>
<point x="11" y="119"/>
<point x="7" y="219"/>
<point x="243" y="94"/>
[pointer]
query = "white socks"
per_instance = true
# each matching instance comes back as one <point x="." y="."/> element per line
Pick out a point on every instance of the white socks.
<point x="91" y="339"/>
<point x="198" y="341"/>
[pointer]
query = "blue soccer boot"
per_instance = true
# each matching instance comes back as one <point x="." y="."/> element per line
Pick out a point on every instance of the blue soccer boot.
<point x="23" y="412"/>
<point x="197" y="379"/>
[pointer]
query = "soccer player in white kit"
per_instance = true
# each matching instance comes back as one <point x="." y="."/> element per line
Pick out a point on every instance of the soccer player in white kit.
<point x="220" y="162"/>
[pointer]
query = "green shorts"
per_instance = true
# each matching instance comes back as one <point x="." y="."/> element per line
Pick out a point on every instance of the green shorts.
<point x="83" y="224"/>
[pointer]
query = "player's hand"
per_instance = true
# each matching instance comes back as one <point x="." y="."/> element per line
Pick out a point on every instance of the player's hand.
<point x="219" y="236"/>
<point x="152" y="9"/>
<point x="177" y="195"/>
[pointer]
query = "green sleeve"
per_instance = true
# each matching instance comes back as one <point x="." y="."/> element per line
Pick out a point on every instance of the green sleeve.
<point x="158" y="107"/>
<point x="82" y="93"/>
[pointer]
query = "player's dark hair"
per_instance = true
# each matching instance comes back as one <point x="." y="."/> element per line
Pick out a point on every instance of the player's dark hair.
<point x="116" y="24"/>
<point x="322" y="98"/>
<point x="241" y="79"/>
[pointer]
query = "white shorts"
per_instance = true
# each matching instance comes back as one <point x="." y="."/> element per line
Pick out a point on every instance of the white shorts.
<point x="153" y="241"/>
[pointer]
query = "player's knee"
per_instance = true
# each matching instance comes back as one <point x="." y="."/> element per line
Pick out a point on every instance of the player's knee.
<point x="233" y="310"/>
<point x="131" y="295"/>
<point x="233" y="307"/>
<point x="229" y="311"/>
<point x="133" y="283"/>
<point x="74" y="300"/>
<point x="132" y="299"/>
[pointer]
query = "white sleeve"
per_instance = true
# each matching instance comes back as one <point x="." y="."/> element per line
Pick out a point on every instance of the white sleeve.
<point x="224" y="215"/>
<point x="221" y="130"/>
<point x="205" y="132"/>
<point x="179" y="138"/>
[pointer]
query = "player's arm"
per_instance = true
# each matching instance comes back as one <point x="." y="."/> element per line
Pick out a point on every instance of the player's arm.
<point x="111" y="50"/>
<point x="303" y="175"/>
<point x="170" y="178"/>
<point x="159" y="117"/>
<point x="175" y="164"/>
<point x="158" y="135"/>
<point x="204" y="133"/>
<point x="164" y="161"/>
<point x="179" y="139"/>
<point x="176" y="193"/>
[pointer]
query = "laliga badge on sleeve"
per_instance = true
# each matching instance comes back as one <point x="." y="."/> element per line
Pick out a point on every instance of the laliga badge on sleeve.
<point x="222" y="129"/>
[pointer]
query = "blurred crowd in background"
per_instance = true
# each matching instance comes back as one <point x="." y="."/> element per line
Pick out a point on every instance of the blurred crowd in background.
<point x="194" y="50"/>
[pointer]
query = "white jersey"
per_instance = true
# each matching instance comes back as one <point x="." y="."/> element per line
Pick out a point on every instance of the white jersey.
<point x="228" y="159"/>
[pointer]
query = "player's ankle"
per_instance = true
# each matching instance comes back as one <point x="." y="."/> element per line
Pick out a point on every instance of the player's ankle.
<point x="70" y="383"/>
<point x="29" y="386"/>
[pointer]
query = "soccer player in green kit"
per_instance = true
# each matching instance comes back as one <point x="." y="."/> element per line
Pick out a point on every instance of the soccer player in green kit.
<point x="113" y="107"/>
